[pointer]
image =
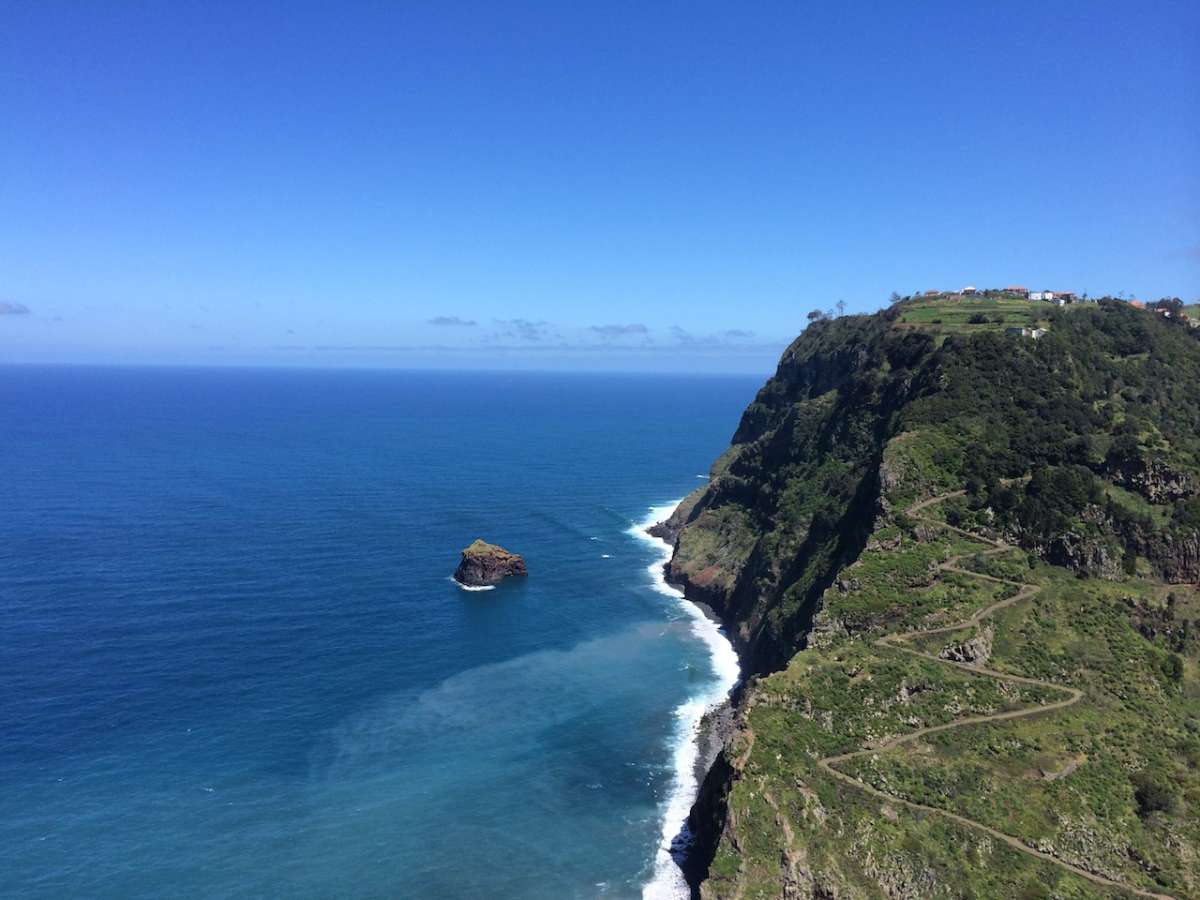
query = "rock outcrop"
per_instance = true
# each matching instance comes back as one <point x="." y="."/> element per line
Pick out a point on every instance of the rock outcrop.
<point x="1094" y="557"/>
<point x="485" y="564"/>
<point x="668" y="529"/>
<point x="1153" y="479"/>
<point x="974" y="652"/>
<point x="1178" y="557"/>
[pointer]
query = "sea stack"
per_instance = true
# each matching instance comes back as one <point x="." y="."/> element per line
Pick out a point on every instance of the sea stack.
<point x="486" y="564"/>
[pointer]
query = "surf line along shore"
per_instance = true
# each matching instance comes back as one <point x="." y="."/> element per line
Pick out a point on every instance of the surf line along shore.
<point x="699" y="719"/>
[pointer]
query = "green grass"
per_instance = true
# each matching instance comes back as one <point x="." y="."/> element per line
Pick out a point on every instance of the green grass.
<point x="1136" y="503"/>
<point x="922" y="464"/>
<point x="900" y="586"/>
<point x="712" y="553"/>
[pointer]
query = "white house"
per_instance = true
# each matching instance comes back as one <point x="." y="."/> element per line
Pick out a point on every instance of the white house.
<point x="969" y="289"/>
<point x="1019" y="331"/>
<point x="1038" y="295"/>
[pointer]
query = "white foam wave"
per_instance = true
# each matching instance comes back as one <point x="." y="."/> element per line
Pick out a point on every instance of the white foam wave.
<point x="473" y="587"/>
<point x="667" y="882"/>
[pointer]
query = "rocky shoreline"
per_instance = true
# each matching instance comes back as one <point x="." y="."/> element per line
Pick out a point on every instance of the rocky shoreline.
<point x="691" y="849"/>
<point x="698" y="834"/>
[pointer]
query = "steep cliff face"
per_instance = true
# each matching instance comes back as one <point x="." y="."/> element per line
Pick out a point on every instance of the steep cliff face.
<point x="875" y="454"/>
<point x="795" y="497"/>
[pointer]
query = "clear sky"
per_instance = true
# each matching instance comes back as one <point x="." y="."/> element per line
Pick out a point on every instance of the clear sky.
<point x="589" y="185"/>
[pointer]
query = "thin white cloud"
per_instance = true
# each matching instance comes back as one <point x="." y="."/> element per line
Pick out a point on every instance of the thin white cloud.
<point x="615" y="331"/>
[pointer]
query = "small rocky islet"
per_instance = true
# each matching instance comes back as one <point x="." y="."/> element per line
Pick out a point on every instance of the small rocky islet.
<point x="484" y="565"/>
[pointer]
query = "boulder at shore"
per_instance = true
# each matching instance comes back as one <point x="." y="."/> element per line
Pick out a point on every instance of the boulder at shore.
<point x="483" y="563"/>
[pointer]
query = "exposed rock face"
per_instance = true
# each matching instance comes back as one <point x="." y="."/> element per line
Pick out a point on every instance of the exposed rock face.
<point x="1094" y="557"/>
<point x="1154" y="480"/>
<point x="1179" y="558"/>
<point x="486" y="564"/>
<point x="1097" y="553"/>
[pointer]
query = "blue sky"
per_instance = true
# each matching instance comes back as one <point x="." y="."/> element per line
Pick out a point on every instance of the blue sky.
<point x="610" y="185"/>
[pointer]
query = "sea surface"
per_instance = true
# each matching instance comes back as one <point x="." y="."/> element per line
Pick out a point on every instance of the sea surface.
<point x="233" y="664"/>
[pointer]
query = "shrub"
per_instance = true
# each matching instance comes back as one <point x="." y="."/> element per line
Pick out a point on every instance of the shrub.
<point x="1172" y="668"/>
<point x="1187" y="513"/>
<point x="1129" y="563"/>
<point x="1153" y="794"/>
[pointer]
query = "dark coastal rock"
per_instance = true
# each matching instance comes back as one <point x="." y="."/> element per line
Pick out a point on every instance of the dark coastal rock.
<point x="668" y="529"/>
<point x="486" y="564"/>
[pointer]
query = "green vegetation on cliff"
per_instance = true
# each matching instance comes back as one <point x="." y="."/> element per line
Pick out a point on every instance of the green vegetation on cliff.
<point x="979" y="530"/>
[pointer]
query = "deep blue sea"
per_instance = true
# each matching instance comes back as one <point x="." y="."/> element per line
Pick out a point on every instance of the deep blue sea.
<point x="232" y="662"/>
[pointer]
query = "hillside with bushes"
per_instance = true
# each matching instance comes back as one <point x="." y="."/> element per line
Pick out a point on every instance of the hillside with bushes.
<point x="961" y="568"/>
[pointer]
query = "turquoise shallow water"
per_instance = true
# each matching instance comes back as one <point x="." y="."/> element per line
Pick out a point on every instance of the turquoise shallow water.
<point x="233" y="663"/>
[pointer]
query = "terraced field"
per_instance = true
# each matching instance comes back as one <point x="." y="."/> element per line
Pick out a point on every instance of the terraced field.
<point x="956" y="314"/>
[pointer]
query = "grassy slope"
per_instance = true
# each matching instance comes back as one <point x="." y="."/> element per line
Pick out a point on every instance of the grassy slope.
<point x="1064" y="782"/>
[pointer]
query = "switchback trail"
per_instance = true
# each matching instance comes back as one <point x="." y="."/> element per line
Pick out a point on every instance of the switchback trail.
<point x="898" y="642"/>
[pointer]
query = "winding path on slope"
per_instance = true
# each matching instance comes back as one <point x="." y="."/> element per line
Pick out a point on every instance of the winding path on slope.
<point x="898" y="642"/>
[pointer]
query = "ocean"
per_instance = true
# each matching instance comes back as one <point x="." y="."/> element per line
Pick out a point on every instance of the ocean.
<point x="233" y="663"/>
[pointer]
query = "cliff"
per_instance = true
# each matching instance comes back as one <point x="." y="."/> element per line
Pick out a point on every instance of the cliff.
<point x="1028" y="505"/>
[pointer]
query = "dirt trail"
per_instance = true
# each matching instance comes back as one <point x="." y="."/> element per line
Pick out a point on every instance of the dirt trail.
<point x="897" y="642"/>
